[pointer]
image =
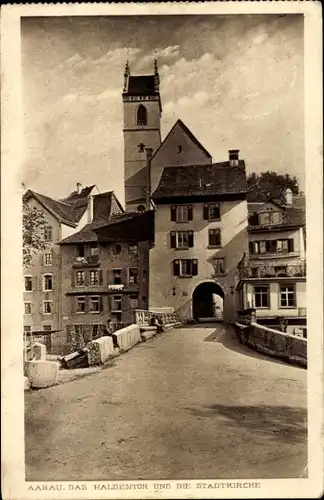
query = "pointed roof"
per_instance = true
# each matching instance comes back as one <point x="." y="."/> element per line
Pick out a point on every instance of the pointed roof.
<point x="187" y="131"/>
<point x="68" y="210"/>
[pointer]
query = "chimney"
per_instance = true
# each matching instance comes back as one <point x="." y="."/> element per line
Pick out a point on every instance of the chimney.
<point x="90" y="209"/>
<point x="79" y="187"/>
<point x="288" y="197"/>
<point x="149" y="154"/>
<point x="233" y="155"/>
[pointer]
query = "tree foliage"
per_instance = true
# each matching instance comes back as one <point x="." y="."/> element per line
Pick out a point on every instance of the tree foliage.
<point x="269" y="184"/>
<point x="33" y="233"/>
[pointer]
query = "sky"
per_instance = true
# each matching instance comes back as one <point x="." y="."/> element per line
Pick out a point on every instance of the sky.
<point x="236" y="81"/>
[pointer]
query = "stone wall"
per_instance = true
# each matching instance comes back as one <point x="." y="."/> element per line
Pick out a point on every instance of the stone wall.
<point x="274" y="343"/>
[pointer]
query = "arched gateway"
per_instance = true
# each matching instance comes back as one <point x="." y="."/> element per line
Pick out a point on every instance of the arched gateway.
<point x="207" y="301"/>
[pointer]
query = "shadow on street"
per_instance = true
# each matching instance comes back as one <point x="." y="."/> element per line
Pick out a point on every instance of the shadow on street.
<point x="268" y="422"/>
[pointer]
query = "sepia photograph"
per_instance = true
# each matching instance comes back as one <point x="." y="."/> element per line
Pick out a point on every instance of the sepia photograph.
<point x="165" y="336"/>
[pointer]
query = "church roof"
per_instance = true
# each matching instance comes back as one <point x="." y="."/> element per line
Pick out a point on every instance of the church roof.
<point x="201" y="181"/>
<point x="141" y="85"/>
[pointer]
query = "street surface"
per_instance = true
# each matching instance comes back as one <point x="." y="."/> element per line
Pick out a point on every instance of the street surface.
<point x="191" y="403"/>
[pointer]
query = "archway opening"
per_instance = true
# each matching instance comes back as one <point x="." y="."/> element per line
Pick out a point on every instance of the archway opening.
<point x="141" y="115"/>
<point x="208" y="302"/>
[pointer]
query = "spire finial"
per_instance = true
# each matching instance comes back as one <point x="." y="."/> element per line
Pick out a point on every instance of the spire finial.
<point x="127" y="72"/>
<point x="156" y="76"/>
<point x="126" y="76"/>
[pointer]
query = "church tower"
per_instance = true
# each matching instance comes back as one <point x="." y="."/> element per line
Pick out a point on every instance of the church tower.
<point x="142" y="135"/>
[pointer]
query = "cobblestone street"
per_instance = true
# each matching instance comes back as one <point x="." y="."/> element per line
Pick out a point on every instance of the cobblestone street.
<point x="191" y="403"/>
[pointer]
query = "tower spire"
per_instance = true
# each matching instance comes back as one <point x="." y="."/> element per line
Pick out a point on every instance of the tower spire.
<point x="126" y="76"/>
<point x="156" y="76"/>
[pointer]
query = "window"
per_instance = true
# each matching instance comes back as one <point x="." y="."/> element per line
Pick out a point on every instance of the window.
<point x="28" y="308"/>
<point x="132" y="249"/>
<point x="181" y="213"/>
<point x="214" y="238"/>
<point x="185" y="267"/>
<point x="140" y="208"/>
<point x="141" y="115"/>
<point x="94" y="277"/>
<point x="47" y="282"/>
<point x="48" y="233"/>
<point x="261" y="296"/>
<point x="268" y="218"/>
<point x="47" y="259"/>
<point x="27" y="329"/>
<point x="116" y="303"/>
<point x="80" y="304"/>
<point x="181" y="239"/>
<point x="28" y="284"/>
<point x="117" y="276"/>
<point x="271" y="246"/>
<point x="80" y="250"/>
<point x="133" y="301"/>
<point x="133" y="275"/>
<point x="47" y="307"/>
<point x="287" y="296"/>
<point x="211" y="211"/>
<point x="79" y="278"/>
<point x="117" y="249"/>
<point x="94" y="248"/>
<point x="47" y="328"/>
<point x="179" y="149"/>
<point x="219" y="265"/>
<point x="141" y="147"/>
<point x="94" y="304"/>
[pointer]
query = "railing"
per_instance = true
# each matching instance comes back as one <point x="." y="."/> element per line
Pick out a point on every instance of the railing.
<point x="89" y="260"/>
<point x="143" y="317"/>
<point x="271" y="271"/>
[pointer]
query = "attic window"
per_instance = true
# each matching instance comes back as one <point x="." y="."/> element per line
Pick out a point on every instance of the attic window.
<point x="141" y="115"/>
<point x="179" y="149"/>
<point x="141" y="147"/>
<point x="268" y="218"/>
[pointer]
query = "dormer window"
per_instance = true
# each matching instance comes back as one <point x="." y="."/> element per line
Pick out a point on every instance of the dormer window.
<point x="269" y="218"/>
<point x="141" y="115"/>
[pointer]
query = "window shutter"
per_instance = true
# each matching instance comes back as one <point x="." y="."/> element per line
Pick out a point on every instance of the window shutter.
<point x="100" y="277"/>
<point x="219" y="239"/>
<point x="34" y="282"/>
<point x="124" y="303"/>
<point x="86" y="277"/>
<point x="190" y="217"/>
<point x="86" y="304"/>
<point x="190" y="238"/>
<point x="73" y="279"/>
<point x="290" y="245"/>
<point x="173" y="239"/>
<point x="109" y="277"/>
<point x="100" y="304"/>
<point x="173" y="213"/>
<point x="176" y="268"/>
<point x="194" y="264"/>
<point x="217" y="209"/>
<point x="251" y="247"/>
<point x="73" y="304"/>
<point x="40" y="307"/>
<point x="53" y="281"/>
<point x="124" y="276"/>
<point x="206" y="212"/>
<point x="109" y="303"/>
<point x="267" y="245"/>
<point x="53" y="307"/>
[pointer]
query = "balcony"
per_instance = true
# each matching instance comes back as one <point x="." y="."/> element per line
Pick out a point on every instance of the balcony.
<point x="271" y="271"/>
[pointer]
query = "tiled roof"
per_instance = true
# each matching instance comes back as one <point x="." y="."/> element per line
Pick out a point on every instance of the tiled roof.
<point x="75" y="197"/>
<point x="127" y="226"/>
<point x="141" y="85"/>
<point x="201" y="180"/>
<point x="63" y="211"/>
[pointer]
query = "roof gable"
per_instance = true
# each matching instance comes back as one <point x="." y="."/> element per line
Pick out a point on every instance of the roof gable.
<point x="180" y="126"/>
